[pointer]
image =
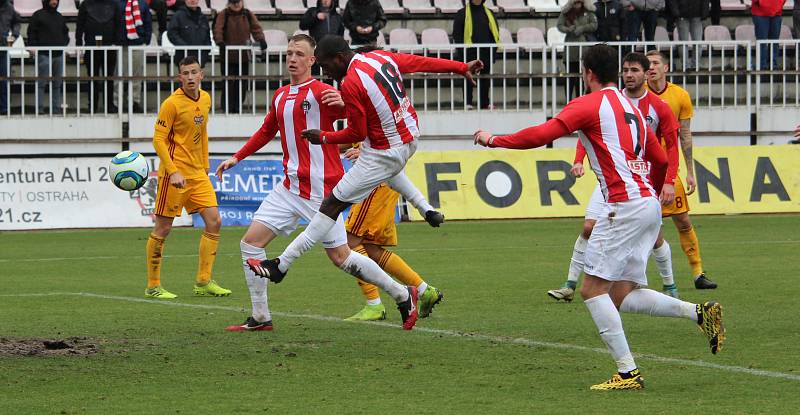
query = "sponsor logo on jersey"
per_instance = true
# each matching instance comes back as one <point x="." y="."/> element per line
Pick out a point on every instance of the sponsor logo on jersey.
<point x="306" y="106"/>
<point x="161" y="123"/>
<point x="198" y="119"/>
<point x="639" y="166"/>
<point x="401" y="112"/>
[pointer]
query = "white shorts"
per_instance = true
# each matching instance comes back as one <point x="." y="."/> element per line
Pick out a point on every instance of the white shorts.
<point x="597" y="204"/>
<point x="282" y="209"/>
<point x="372" y="168"/>
<point x="622" y="240"/>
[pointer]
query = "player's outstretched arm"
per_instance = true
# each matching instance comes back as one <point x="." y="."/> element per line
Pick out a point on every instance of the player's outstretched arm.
<point x="530" y="137"/>
<point x="408" y="63"/>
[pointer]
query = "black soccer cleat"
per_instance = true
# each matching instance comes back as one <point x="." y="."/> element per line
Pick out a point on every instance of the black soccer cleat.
<point x="703" y="283"/>
<point x="709" y="319"/>
<point x="267" y="268"/>
<point x="251" y="324"/>
<point x="434" y="218"/>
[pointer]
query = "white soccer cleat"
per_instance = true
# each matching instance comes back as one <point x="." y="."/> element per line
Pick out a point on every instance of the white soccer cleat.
<point x="564" y="293"/>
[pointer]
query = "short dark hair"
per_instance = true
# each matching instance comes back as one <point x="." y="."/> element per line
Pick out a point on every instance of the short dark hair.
<point x="660" y="54"/>
<point x="602" y="60"/>
<point x="188" y="60"/>
<point x="302" y="37"/>
<point x="331" y="45"/>
<point x="637" y="57"/>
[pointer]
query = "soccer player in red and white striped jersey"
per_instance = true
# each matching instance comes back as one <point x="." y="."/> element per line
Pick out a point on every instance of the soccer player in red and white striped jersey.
<point x="381" y="115"/>
<point x="630" y="165"/>
<point x="662" y="121"/>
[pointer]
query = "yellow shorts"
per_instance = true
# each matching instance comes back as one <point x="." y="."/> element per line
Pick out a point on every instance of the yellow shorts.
<point x="198" y="194"/>
<point x="373" y="218"/>
<point x="680" y="204"/>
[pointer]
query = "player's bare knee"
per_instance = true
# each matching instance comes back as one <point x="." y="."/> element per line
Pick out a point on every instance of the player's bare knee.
<point x="332" y="207"/>
<point x="588" y="226"/>
<point x="213" y="224"/>
<point x="338" y="255"/>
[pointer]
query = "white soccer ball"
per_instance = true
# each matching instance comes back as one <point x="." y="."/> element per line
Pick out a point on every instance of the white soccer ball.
<point x="128" y="170"/>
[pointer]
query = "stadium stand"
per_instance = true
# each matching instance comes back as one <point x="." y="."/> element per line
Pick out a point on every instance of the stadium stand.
<point x="513" y="6"/>
<point x="435" y="36"/>
<point x="531" y="36"/>
<point x="390" y="7"/>
<point x="732" y="5"/>
<point x="403" y="37"/>
<point x="449" y="6"/>
<point x="26" y="8"/>
<point x="545" y="6"/>
<point x="275" y="38"/>
<point x="745" y="32"/>
<point x="715" y="33"/>
<point x="218" y="5"/>
<point x="506" y="39"/>
<point x="67" y="8"/>
<point x="290" y="6"/>
<point x="418" y="7"/>
<point x="261" y="7"/>
<point x="556" y="37"/>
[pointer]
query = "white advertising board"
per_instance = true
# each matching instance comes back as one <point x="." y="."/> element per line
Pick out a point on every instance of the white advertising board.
<point x="52" y="193"/>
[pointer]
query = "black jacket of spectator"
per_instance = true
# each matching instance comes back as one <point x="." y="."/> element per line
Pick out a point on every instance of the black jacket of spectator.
<point x="98" y="18"/>
<point x="189" y="27"/>
<point x="609" y="20"/>
<point x="480" y="25"/>
<point x="9" y="20"/>
<point x="145" y="31"/>
<point x="318" y="29"/>
<point x="689" y="8"/>
<point x="47" y="27"/>
<point x="364" y="13"/>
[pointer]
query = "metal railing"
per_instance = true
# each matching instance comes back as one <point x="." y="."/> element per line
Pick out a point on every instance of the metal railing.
<point x="118" y="81"/>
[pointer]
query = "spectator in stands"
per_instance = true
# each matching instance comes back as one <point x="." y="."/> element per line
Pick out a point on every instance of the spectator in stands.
<point x="158" y="8"/>
<point x="100" y="24"/>
<point x="475" y="24"/>
<point x="233" y="27"/>
<point x="47" y="27"/>
<point x="578" y="21"/>
<point x="137" y="22"/>
<point x="364" y="18"/>
<point x="322" y="20"/>
<point x="715" y="11"/>
<point x="9" y="30"/>
<point x="642" y="13"/>
<point x="189" y="27"/>
<point x="689" y="15"/>
<point x="767" y="23"/>
<point x="610" y="20"/>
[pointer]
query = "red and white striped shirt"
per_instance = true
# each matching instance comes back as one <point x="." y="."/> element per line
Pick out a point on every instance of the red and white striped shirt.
<point x="311" y="170"/>
<point x="659" y="118"/>
<point x="617" y="139"/>
<point x="378" y="110"/>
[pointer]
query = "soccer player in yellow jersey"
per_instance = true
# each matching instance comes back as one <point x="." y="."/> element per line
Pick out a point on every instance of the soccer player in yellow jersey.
<point x="181" y="142"/>
<point x="681" y="104"/>
<point x="370" y="229"/>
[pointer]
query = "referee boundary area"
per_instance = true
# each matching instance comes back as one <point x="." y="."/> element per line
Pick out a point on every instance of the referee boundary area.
<point x="441" y="332"/>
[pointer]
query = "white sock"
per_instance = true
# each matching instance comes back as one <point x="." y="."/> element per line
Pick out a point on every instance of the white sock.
<point x="317" y="229"/>
<point x="422" y="287"/>
<point x="403" y="185"/>
<point x="576" y="263"/>
<point x="367" y="270"/>
<point x="608" y="322"/>
<point x="656" y="304"/>
<point x="374" y="301"/>
<point x="663" y="256"/>
<point x="256" y="284"/>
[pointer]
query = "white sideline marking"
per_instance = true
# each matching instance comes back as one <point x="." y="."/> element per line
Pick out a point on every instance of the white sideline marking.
<point x="449" y="333"/>
<point x="398" y="249"/>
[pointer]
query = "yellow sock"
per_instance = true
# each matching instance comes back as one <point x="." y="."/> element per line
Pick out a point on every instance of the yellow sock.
<point x="394" y="265"/>
<point x="691" y="248"/>
<point x="370" y="291"/>
<point x="208" y="253"/>
<point x="155" y="249"/>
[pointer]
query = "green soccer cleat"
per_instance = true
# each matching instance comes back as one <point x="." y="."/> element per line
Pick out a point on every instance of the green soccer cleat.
<point x="428" y="300"/>
<point x="671" y="290"/>
<point x="211" y="289"/>
<point x="369" y="313"/>
<point x="709" y="318"/>
<point x="159" y="292"/>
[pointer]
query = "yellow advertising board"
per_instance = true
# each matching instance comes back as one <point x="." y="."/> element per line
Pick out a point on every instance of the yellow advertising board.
<point x="536" y="183"/>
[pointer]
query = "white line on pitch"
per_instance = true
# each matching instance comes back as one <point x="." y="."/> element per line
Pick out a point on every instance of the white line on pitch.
<point x="398" y="249"/>
<point x="450" y="333"/>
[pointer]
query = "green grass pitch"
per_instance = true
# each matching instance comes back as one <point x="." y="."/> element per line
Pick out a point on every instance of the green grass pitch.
<point x="497" y="344"/>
